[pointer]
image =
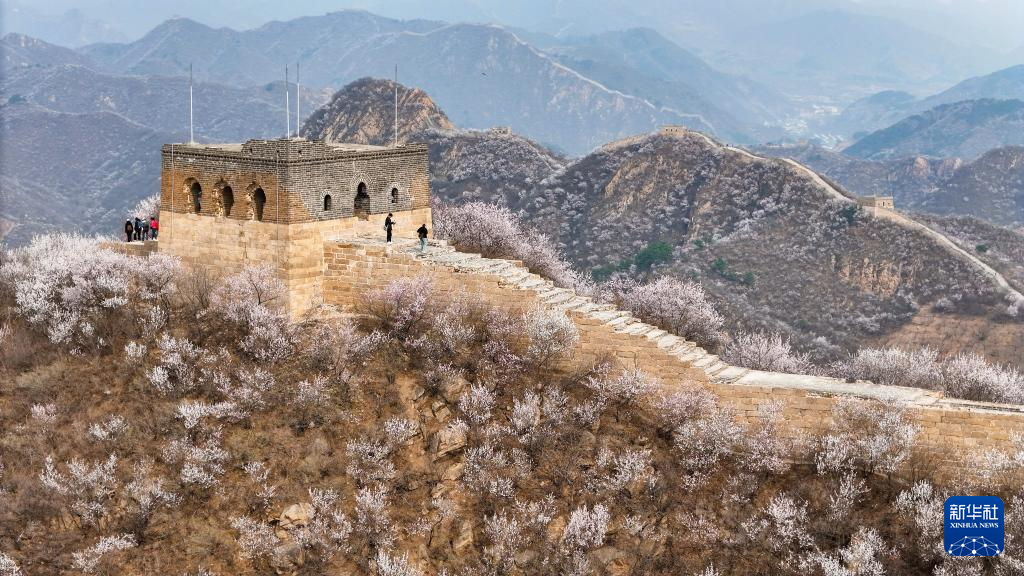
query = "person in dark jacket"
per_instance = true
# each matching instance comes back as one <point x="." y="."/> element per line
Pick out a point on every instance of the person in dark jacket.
<point x="145" y="229"/>
<point x="128" y="230"/>
<point x="138" y="228"/>
<point x="422" y="232"/>
<point x="389" y="223"/>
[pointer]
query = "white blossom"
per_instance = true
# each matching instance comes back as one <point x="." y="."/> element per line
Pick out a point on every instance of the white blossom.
<point x="88" y="560"/>
<point x="586" y="527"/>
<point x="108" y="429"/>
<point x="88" y="486"/>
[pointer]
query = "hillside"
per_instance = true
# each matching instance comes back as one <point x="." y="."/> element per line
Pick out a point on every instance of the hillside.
<point x="642" y="62"/>
<point x="965" y="129"/>
<point x="21" y="51"/>
<point x="103" y="170"/>
<point x="990" y="187"/>
<point x="224" y="438"/>
<point x="360" y="113"/>
<point x="727" y="218"/>
<point x="844" y="279"/>
<point x="883" y="109"/>
<point x="222" y="113"/>
<point x="482" y="75"/>
<point x="104" y="131"/>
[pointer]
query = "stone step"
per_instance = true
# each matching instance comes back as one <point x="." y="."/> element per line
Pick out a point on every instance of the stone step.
<point x="622" y="321"/>
<point x="531" y="281"/>
<point x="515" y="274"/>
<point x="667" y="341"/>
<point x="495" y="266"/>
<point x="608" y="315"/>
<point x="730" y="374"/>
<point x="656" y="333"/>
<point x="636" y="329"/>
<point x="576" y="303"/>
<point x="707" y="360"/>
<point x="560" y="297"/>
<point x="693" y="355"/>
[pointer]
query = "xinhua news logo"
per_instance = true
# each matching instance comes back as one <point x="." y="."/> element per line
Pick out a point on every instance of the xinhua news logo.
<point x="974" y="526"/>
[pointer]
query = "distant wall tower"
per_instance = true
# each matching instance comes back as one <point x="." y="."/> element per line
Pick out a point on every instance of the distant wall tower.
<point x="874" y="204"/>
<point x="226" y="206"/>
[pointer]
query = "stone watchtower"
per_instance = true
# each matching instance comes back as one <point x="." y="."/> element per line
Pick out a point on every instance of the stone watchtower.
<point x="877" y="204"/>
<point x="226" y="206"/>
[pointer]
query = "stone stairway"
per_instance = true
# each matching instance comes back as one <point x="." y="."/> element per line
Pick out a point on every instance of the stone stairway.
<point x="514" y="274"/>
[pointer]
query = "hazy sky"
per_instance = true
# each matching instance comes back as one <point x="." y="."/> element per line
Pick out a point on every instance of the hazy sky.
<point x="998" y="24"/>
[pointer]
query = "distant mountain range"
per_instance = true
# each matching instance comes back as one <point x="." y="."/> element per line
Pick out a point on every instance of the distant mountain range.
<point x="779" y="247"/>
<point x="586" y="91"/>
<point x="990" y="187"/>
<point x="880" y="110"/>
<point x="964" y="129"/>
<point x="832" y="54"/>
<point x="75" y="137"/>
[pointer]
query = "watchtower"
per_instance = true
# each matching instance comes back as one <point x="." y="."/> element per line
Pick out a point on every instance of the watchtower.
<point x="227" y="206"/>
<point x="876" y="203"/>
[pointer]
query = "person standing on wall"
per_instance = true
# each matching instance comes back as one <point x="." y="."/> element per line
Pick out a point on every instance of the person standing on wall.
<point x="154" y="227"/>
<point x="138" y="228"/>
<point x="422" y="232"/>
<point x="128" y="230"/>
<point x="145" y="229"/>
<point x="389" y="223"/>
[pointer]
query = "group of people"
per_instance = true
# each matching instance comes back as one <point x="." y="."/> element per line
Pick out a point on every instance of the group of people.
<point x="422" y="232"/>
<point x="141" y="229"/>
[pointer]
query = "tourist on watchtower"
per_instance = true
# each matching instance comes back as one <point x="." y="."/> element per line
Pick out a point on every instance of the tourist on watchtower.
<point x="154" y="227"/>
<point x="138" y="228"/>
<point x="145" y="229"/>
<point x="389" y="223"/>
<point x="128" y="230"/>
<point x="422" y="232"/>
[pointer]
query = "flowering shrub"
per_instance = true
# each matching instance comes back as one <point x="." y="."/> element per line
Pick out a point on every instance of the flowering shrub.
<point x="967" y="375"/>
<point x="552" y="334"/>
<point x="401" y="307"/>
<point x="675" y="305"/>
<point x="769" y="352"/>
<point x="87" y="486"/>
<point x="586" y="528"/>
<point x="495" y="232"/>
<point x="110" y="428"/>
<point x="82" y="296"/>
<point x="201" y="462"/>
<point x="388" y="565"/>
<point x="252" y="300"/>
<point x="8" y="567"/>
<point x="895" y="367"/>
<point x="866" y="435"/>
<point x="88" y="560"/>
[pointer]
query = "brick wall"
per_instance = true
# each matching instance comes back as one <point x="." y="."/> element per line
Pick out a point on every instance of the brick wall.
<point x="951" y="430"/>
<point x="225" y="246"/>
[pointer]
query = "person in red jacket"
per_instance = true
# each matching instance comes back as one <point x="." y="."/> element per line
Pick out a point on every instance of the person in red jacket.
<point x="154" y="227"/>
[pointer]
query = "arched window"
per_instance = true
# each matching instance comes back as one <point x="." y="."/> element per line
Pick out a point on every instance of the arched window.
<point x="259" y="200"/>
<point x="227" y="200"/>
<point x="196" y="191"/>
<point x="394" y="195"/>
<point x="327" y="203"/>
<point x="362" y="204"/>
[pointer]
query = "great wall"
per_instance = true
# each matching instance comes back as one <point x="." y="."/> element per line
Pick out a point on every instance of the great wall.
<point x="331" y="257"/>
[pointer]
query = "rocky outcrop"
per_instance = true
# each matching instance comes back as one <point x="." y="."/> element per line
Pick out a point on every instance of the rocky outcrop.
<point x="363" y="112"/>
